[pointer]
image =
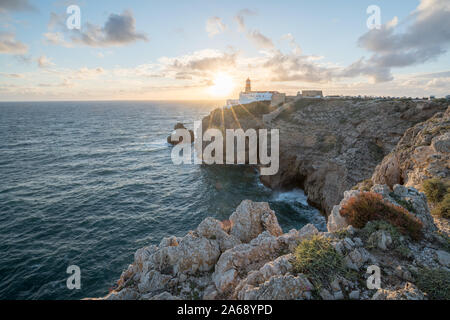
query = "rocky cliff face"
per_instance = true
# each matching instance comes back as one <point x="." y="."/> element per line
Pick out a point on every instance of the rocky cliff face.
<point x="248" y="257"/>
<point x="328" y="146"/>
<point x="422" y="153"/>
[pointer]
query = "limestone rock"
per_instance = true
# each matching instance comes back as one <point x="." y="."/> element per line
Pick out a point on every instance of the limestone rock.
<point x="335" y="221"/>
<point x="408" y="292"/>
<point x="212" y="229"/>
<point x="252" y="218"/>
<point x="286" y="287"/>
<point x="421" y="154"/>
<point x="441" y="143"/>
<point x="164" y="296"/>
<point x="381" y="239"/>
<point x="152" y="281"/>
<point x="125" y="294"/>
<point x="354" y="295"/>
<point x="443" y="257"/>
<point x="195" y="254"/>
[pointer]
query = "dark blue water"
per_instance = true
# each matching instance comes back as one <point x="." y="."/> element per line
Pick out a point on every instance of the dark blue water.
<point x="88" y="183"/>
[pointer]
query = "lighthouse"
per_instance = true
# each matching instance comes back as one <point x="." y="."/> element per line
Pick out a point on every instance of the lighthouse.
<point x="249" y="96"/>
<point x="248" y="86"/>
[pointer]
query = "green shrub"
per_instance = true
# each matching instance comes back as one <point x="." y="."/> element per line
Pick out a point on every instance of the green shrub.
<point x="434" y="282"/>
<point x="407" y="204"/>
<point x="366" y="185"/>
<point x="434" y="189"/>
<point x="373" y="226"/>
<point x="442" y="209"/>
<point x="317" y="258"/>
<point x="370" y="206"/>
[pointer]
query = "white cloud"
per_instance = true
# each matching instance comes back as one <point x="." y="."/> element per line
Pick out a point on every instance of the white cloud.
<point x="44" y="62"/>
<point x="9" y="44"/>
<point x="215" y="26"/>
<point x="260" y="40"/>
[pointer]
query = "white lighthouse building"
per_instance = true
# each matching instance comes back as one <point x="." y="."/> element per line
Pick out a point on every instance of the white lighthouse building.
<point x="249" y="96"/>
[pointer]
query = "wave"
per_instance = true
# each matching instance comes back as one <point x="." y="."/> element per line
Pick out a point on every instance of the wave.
<point x="295" y="195"/>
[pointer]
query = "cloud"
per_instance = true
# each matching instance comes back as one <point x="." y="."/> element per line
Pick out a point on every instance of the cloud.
<point x="119" y="30"/>
<point x="296" y="67"/>
<point x="64" y="84"/>
<point x="426" y="38"/>
<point x="255" y="36"/>
<point x="199" y="62"/>
<point x="44" y="62"/>
<point x="12" y="75"/>
<point x="86" y="73"/>
<point x="443" y="74"/>
<point x="260" y="40"/>
<point x="15" y="5"/>
<point x="292" y="43"/>
<point x="240" y="18"/>
<point x="9" y="45"/>
<point x="215" y="26"/>
<point x="57" y="39"/>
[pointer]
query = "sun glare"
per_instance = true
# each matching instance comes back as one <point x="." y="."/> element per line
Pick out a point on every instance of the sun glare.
<point x="223" y="85"/>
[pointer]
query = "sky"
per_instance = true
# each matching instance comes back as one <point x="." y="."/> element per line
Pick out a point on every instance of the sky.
<point x="206" y="49"/>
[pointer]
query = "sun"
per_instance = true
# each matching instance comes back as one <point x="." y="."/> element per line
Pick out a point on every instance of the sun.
<point x="222" y="85"/>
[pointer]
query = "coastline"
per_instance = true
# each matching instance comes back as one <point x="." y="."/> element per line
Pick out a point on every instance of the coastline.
<point x="249" y="257"/>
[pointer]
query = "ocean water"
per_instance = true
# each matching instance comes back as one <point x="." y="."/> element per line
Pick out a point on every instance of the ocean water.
<point x="89" y="183"/>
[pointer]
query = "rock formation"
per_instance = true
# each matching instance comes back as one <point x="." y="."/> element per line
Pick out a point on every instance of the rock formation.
<point x="422" y="153"/>
<point x="180" y="126"/>
<point x="249" y="257"/>
<point x="328" y="146"/>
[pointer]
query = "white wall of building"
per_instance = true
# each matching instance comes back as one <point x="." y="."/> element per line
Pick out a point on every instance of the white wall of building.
<point x="250" y="97"/>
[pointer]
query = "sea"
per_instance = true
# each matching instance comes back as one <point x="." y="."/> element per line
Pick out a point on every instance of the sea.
<point x="89" y="183"/>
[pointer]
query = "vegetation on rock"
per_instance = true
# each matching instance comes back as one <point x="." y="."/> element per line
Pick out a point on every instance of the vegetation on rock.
<point x="370" y="206"/>
<point x="317" y="258"/>
<point x="435" y="189"/>
<point x="434" y="282"/>
<point x="442" y="209"/>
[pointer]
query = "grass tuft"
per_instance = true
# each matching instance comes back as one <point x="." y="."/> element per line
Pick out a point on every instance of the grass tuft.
<point x="317" y="258"/>
<point x="434" y="282"/>
<point x="435" y="189"/>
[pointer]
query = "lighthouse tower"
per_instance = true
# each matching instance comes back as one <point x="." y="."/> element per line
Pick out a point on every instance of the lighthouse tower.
<point x="248" y="86"/>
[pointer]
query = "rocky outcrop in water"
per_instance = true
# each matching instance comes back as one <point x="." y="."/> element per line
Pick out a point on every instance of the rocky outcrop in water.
<point x="180" y="126"/>
<point x="248" y="257"/>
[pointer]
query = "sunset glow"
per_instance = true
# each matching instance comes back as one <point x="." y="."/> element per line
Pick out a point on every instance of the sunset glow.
<point x="222" y="87"/>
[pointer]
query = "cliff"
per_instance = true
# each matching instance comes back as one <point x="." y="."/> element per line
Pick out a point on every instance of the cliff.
<point x="248" y="257"/>
<point x="327" y="146"/>
<point x="423" y="153"/>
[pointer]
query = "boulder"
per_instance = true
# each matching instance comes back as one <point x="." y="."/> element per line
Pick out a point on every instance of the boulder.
<point x="406" y="292"/>
<point x="380" y="239"/>
<point x="252" y="218"/>
<point x="443" y="257"/>
<point x="180" y="126"/>
<point x="335" y="221"/>
<point x="212" y="229"/>
<point x="282" y="287"/>
<point x="441" y="143"/>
